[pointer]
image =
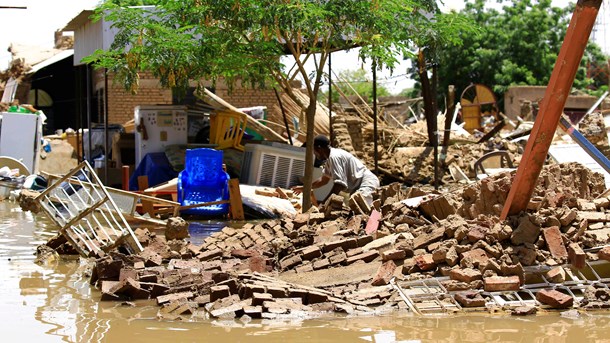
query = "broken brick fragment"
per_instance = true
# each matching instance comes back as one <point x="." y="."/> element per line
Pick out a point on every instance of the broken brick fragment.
<point x="470" y="299"/>
<point x="554" y="299"/>
<point x="425" y="262"/>
<point x="577" y="256"/>
<point x="554" y="241"/>
<point x="501" y="283"/>
<point x="465" y="274"/>
<point x="384" y="273"/>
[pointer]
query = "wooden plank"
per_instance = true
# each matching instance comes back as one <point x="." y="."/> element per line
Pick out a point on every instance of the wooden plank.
<point x="125" y="177"/>
<point x="237" y="208"/>
<point x="147" y="205"/>
<point x="264" y="131"/>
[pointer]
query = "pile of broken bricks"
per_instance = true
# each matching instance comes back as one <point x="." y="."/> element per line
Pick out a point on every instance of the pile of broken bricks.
<point x="332" y="260"/>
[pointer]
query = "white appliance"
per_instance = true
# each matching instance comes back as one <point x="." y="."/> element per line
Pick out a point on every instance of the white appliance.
<point x="158" y="127"/>
<point x="20" y="138"/>
<point x="277" y="165"/>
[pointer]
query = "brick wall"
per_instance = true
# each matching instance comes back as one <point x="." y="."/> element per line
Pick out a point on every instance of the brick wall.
<point x="121" y="103"/>
<point x="247" y="97"/>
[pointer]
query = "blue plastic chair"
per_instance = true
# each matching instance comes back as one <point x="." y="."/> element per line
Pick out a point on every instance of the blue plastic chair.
<point x="203" y="180"/>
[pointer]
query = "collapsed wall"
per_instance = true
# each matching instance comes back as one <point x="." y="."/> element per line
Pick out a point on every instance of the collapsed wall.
<point x="334" y="261"/>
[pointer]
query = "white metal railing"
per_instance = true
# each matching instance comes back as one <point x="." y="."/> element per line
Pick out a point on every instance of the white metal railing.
<point x="88" y="216"/>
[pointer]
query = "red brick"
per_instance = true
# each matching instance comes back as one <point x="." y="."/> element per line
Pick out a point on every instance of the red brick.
<point x="577" y="256"/>
<point x="373" y="222"/>
<point x="553" y="239"/>
<point x="554" y="299"/>
<point x="290" y="261"/>
<point x="476" y="257"/>
<point x="219" y="292"/>
<point x="311" y="252"/>
<point x="426" y="239"/>
<point x="465" y="275"/>
<point x="501" y="283"/>
<point x="470" y="299"/>
<point x="425" y="262"/>
<point x="384" y="273"/>
<point x="174" y="297"/>
<point x="556" y="275"/>
<point x="321" y="264"/>
<point x="393" y="254"/>
<point x="604" y="253"/>
<point x="365" y="256"/>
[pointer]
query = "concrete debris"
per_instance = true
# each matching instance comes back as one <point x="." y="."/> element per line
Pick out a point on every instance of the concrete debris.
<point x="332" y="261"/>
<point x="344" y="257"/>
<point x="524" y="311"/>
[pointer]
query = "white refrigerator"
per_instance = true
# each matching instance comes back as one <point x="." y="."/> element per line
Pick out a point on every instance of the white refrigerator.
<point x="20" y="137"/>
<point x="158" y="127"/>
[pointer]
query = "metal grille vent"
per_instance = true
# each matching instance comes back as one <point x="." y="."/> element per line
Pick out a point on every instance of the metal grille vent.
<point x="298" y="170"/>
<point x="267" y="170"/>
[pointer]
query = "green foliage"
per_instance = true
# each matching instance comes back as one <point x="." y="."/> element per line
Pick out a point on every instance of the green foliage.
<point x="242" y="41"/>
<point x="517" y="46"/>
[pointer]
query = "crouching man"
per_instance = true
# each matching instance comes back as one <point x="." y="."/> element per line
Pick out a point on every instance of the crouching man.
<point x="348" y="172"/>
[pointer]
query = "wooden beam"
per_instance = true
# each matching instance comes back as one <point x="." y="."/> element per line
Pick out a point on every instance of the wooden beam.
<point x="237" y="207"/>
<point x="147" y="206"/>
<point x="263" y="130"/>
<point x="551" y="107"/>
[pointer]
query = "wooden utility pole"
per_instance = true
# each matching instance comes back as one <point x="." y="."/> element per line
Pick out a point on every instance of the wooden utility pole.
<point x="551" y="107"/>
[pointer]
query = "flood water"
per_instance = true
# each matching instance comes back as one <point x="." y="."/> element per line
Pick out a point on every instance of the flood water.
<point x="55" y="303"/>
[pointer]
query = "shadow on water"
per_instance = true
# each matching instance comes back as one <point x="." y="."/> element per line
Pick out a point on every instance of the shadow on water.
<point x="200" y="230"/>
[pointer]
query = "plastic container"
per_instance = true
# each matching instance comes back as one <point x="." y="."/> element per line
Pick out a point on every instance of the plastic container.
<point x="203" y="180"/>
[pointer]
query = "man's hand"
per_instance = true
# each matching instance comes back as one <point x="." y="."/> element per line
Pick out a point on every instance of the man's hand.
<point x="297" y="189"/>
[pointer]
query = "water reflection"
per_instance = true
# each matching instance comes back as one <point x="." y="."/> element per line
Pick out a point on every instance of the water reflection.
<point x="200" y="230"/>
<point x="54" y="303"/>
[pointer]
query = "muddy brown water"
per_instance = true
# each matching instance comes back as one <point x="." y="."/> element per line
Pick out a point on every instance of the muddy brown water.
<point x="55" y="303"/>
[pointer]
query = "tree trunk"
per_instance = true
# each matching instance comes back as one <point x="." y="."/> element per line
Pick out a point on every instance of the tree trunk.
<point x="429" y="109"/>
<point x="310" y="114"/>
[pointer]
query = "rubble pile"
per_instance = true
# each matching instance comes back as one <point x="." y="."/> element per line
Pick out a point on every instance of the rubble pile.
<point x="403" y="152"/>
<point x="559" y="185"/>
<point x="17" y="69"/>
<point x="593" y="128"/>
<point x="331" y="260"/>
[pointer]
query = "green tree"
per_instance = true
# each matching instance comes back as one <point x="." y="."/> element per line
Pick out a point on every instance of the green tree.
<point x="517" y="46"/>
<point x="241" y="41"/>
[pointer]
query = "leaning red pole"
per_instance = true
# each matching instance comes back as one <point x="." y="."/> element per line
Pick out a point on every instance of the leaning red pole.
<point x="551" y="107"/>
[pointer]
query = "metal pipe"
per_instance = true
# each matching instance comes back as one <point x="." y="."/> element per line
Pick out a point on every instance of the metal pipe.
<point x="551" y="107"/>
<point x="597" y="103"/>
<point x="585" y="144"/>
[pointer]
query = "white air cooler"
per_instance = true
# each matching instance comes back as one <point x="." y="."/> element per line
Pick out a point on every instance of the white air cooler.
<point x="277" y="165"/>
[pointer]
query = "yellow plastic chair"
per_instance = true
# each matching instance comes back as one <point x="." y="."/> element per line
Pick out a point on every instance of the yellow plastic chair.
<point x="227" y="129"/>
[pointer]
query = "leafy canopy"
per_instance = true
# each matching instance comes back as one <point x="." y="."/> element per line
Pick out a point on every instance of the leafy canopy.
<point x="517" y="46"/>
<point x="242" y="40"/>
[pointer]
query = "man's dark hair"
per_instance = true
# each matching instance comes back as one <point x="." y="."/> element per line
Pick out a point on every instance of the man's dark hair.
<point x="321" y="141"/>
